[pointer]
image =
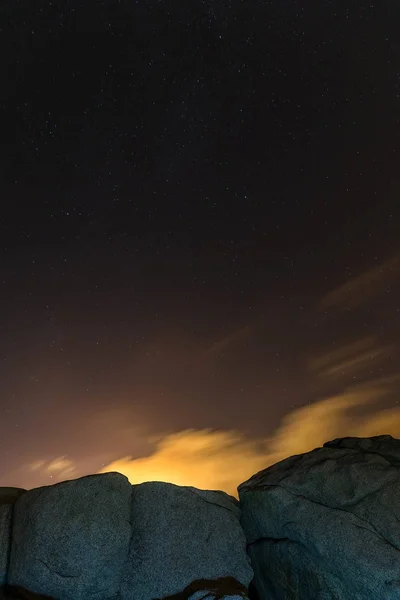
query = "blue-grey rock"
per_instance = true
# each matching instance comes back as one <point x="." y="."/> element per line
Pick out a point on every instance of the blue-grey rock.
<point x="5" y="540"/>
<point x="180" y="534"/>
<point x="324" y="525"/>
<point x="8" y="496"/>
<point x="71" y="540"/>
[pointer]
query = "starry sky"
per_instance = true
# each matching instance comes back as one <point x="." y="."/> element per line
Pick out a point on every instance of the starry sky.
<point x="199" y="235"/>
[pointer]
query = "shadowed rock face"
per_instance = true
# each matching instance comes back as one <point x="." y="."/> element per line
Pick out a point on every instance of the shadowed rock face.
<point x="9" y="495"/>
<point x="325" y="524"/>
<point x="223" y="587"/>
<point x="15" y="592"/>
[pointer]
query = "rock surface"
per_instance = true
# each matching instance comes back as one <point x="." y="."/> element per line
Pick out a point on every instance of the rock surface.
<point x="180" y="534"/>
<point x="222" y="588"/>
<point x="5" y="540"/>
<point x="19" y="593"/>
<point x="70" y="540"/>
<point x="325" y="525"/>
<point x="8" y="496"/>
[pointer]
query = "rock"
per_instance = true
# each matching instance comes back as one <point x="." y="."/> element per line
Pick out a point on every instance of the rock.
<point x="180" y="534"/>
<point x="8" y="496"/>
<point x="324" y="525"/>
<point x="19" y="593"/>
<point x="5" y="540"/>
<point x="227" y="588"/>
<point x="70" y="540"/>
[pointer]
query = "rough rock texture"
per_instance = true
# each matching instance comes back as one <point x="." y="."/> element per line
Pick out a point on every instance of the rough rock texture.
<point x="325" y="525"/>
<point x="180" y="534"/>
<point x="5" y="539"/>
<point x="8" y="496"/>
<point x="70" y="540"/>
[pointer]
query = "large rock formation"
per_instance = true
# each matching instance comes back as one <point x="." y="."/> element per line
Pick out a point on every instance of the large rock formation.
<point x="100" y="538"/>
<point x="323" y="525"/>
<point x="71" y="539"/>
<point x="180" y="534"/>
<point x="8" y="496"/>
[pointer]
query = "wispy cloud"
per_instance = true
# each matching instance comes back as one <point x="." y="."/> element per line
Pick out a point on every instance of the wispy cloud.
<point x="350" y="359"/>
<point x="61" y="467"/>
<point x="364" y="287"/>
<point x="231" y="340"/>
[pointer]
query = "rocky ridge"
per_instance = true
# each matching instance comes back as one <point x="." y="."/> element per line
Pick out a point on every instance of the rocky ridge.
<point x="323" y="525"/>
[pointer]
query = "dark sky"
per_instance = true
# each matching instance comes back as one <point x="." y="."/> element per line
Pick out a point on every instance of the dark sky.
<point x="199" y="230"/>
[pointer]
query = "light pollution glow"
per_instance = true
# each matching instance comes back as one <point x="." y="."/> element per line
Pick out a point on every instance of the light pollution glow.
<point x="218" y="459"/>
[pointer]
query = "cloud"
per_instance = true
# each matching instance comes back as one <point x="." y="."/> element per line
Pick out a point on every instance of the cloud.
<point x="364" y="287"/>
<point x="349" y="359"/>
<point x="221" y="460"/>
<point x="212" y="459"/>
<point x="61" y="467"/>
<point x="232" y="340"/>
<point x="324" y="362"/>
<point x="205" y="459"/>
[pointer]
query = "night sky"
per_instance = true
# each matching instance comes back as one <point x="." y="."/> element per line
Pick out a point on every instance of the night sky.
<point x="199" y="235"/>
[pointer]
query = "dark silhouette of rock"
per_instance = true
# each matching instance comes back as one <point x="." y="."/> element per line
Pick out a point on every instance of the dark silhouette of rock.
<point x="325" y="524"/>
<point x="16" y="592"/>
<point x="8" y="497"/>
<point x="222" y="587"/>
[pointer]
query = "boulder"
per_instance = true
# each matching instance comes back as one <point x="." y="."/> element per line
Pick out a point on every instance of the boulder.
<point x="181" y="534"/>
<point x="5" y="540"/>
<point x="324" y="525"/>
<point x="226" y="588"/>
<point x="19" y="593"/>
<point x="70" y="540"/>
<point x="8" y="496"/>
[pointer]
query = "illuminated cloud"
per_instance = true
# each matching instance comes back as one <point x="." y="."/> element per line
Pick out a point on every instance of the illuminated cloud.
<point x="226" y="343"/>
<point x="221" y="460"/>
<point x="364" y="287"/>
<point x="341" y="354"/>
<point x="210" y="459"/>
<point x="206" y="459"/>
<point x="60" y="468"/>
<point x="349" y="359"/>
<point x="37" y="465"/>
<point x="233" y="339"/>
